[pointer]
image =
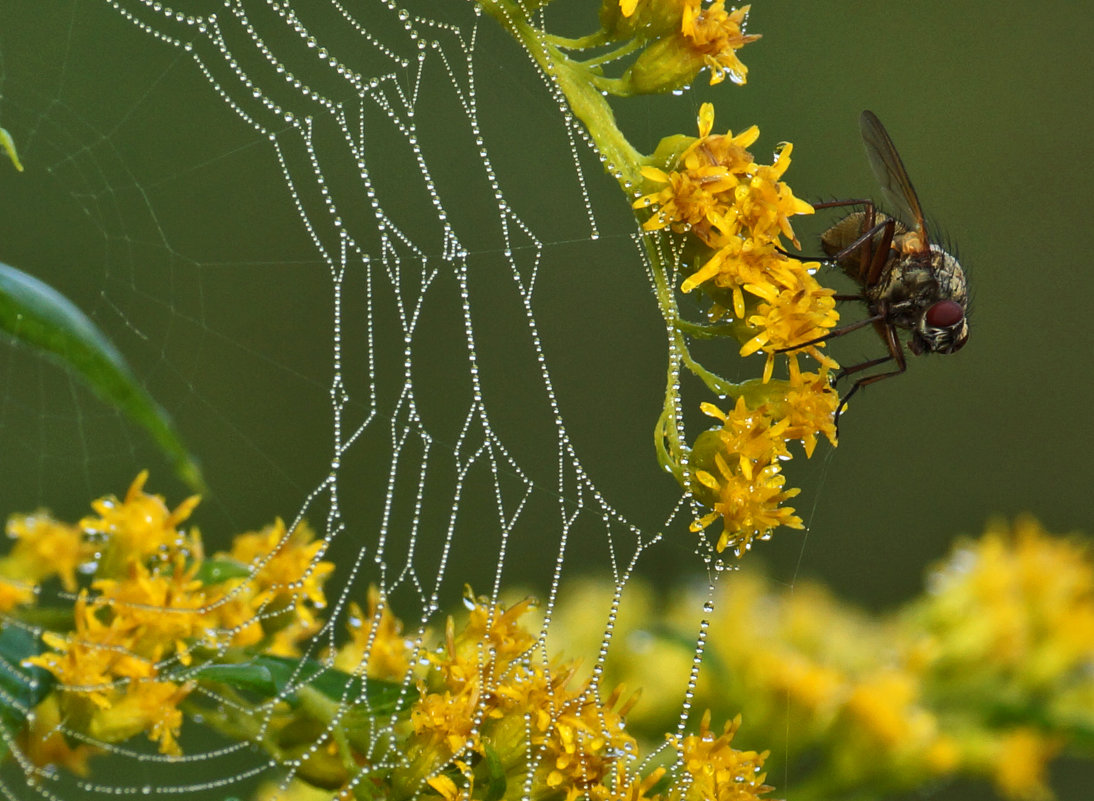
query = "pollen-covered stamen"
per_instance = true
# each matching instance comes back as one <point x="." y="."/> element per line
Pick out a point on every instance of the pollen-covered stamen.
<point x="944" y="314"/>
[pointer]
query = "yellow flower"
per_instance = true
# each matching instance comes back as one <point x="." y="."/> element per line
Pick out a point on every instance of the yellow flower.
<point x="445" y="720"/>
<point x="749" y="506"/>
<point x="376" y="641"/>
<point x="885" y="707"/>
<point x="288" y="572"/>
<point x="15" y="593"/>
<point x="44" y="742"/>
<point x="287" y="638"/>
<point x="695" y="200"/>
<point x="765" y="204"/>
<point x="104" y="682"/>
<point x="732" y="151"/>
<point x="742" y="211"/>
<point x="44" y="547"/>
<point x="737" y="474"/>
<point x="484" y="649"/>
<point x="718" y="771"/>
<point x="749" y="435"/>
<point x="737" y="265"/>
<point x="717" y="191"/>
<point x="717" y="34"/>
<point x="803" y="682"/>
<point x="231" y="605"/>
<point x="1021" y="765"/>
<point x="994" y="614"/>
<point x="146" y="706"/>
<point x="791" y="315"/>
<point x="706" y="38"/>
<point x="137" y="527"/>
<point x="580" y="736"/>
<point x="701" y="190"/>
<point x="625" y="786"/>
<point x="640" y="19"/>
<point x="809" y="406"/>
<point x="157" y="613"/>
<point x="485" y="691"/>
<point x="90" y="658"/>
<point x="448" y="790"/>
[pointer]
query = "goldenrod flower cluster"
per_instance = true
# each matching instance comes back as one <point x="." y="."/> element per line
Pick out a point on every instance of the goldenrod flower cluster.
<point x="736" y="213"/>
<point x="152" y="601"/>
<point x="988" y="674"/>
<point x="719" y="221"/>
<point x="681" y="38"/>
<point x="491" y="703"/>
<point x="155" y="620"/>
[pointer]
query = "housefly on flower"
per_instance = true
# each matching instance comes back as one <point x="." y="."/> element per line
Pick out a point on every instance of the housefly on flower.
<point x="907" y="283"/>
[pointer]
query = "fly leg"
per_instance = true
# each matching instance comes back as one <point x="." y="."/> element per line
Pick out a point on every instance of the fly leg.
<point x="836" y="332"/>
<point x="896" y="353"/>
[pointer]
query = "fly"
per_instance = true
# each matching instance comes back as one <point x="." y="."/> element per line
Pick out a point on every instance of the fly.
<point x="907" y="283"/>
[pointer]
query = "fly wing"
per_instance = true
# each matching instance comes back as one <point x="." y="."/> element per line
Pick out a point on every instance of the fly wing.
<point x="890" y="172"/>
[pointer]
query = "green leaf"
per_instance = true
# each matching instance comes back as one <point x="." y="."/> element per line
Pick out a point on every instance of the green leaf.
<point x="21" y="688"/>
<point x="495" y="772"/>
<point x="39" y="316"/>
<point x="269" y="676"/>
<point x="216" y="571"/>
<point x="8" y="144"/>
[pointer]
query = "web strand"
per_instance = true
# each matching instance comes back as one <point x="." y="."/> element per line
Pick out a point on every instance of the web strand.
<point x="427" y="212"/>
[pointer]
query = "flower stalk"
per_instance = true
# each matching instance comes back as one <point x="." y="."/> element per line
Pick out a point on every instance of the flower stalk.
<point x="715" y="223"/>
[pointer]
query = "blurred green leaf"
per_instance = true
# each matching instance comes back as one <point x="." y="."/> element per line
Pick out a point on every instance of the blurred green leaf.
<point x="270" y="676"/>
<point x="8" y="144"/>
<point x="21" y="688"/>
<point x="215" y="571"/>
<point x="496" y="782"/>
<point x="37" y="315"/>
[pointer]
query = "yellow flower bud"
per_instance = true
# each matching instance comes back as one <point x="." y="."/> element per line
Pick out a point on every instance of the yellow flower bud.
<point x="665" y="65"/>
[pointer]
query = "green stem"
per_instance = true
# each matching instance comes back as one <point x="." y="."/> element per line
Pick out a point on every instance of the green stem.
<point x="231" y="720"/>
<point x="583" y="43"/>
<point x="583" y="86"/>
<point x="733" y="329"/>
<point x="613" y="55"/>
<point x="714" y="382"/>
<point x="668" y="437"/>
<point x="580" y="85"/>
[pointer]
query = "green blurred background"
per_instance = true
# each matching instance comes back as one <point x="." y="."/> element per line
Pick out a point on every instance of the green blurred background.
<point x="151" y="204"/>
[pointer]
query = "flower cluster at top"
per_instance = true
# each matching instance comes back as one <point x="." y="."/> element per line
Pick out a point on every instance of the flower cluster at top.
<point x="680" y="38"/>
<point x="733" y="215"/>
<point x="157" y="634"/>
<point x="739" y="211"/>
<point x="989" y="673"/>
<point x="719" y="221"/>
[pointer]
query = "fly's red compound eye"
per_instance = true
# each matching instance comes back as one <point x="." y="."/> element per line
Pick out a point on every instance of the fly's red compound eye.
<point x="944" y="314"/>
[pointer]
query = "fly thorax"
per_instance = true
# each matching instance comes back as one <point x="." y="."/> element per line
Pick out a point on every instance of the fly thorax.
<point x="950" y="276"/>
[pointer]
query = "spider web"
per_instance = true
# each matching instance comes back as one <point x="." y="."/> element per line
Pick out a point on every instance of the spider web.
<point x="368" y="261"/>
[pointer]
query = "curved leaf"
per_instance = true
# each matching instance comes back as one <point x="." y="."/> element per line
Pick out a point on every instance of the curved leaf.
<point x="8" y="144"/>
<point x="271" y="676"/>
<point x="36" y="314"/>
<point x="21" y="688"/>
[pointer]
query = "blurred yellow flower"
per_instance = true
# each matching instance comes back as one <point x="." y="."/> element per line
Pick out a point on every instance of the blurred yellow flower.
<point x="137" y="527"/>
<point x="376" y="641"/>
<point x="44" y="547"/>
<point x="717" y="771"/>
<point x="147" y="606"/>
<point x="984" y="675"/>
